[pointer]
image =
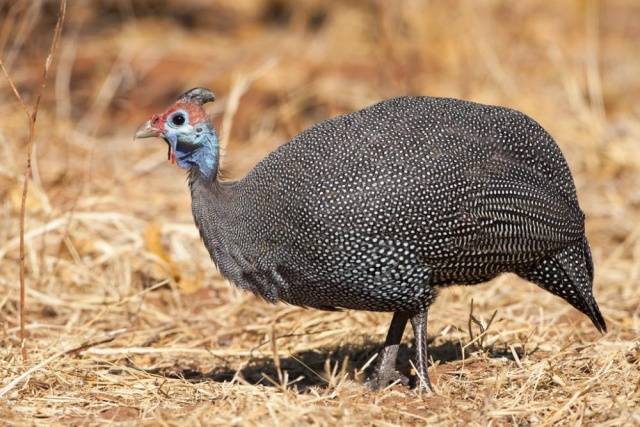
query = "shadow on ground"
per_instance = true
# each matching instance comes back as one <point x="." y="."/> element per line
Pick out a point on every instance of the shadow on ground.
<point x="313" y="368"/>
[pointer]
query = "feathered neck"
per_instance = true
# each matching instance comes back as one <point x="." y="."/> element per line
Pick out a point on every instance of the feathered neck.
<point x="197" y="179"/>
<point x="212" y="188"/>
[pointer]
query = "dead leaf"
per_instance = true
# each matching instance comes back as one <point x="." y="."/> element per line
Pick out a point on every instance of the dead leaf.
<point x="153" y="244"/>
<point x="190" y="285"/>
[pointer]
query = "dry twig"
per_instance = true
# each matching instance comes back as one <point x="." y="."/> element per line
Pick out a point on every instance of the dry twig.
<point x="32" y="115"/>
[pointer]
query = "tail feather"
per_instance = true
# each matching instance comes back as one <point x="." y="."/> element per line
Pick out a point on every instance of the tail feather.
<point x="569" y="275"/>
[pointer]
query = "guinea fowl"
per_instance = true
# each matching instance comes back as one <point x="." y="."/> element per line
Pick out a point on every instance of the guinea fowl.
<point x="378" y="209"/>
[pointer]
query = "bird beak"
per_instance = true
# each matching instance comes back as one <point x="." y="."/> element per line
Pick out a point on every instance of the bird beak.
<point x="147" y="131"/>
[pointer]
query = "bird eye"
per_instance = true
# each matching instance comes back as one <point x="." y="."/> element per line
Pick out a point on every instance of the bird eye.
<point x="178" y="119"/>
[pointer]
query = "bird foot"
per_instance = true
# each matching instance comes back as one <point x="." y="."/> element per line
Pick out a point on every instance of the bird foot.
<point x="424" y="386"/>
<point x="381" y="380"/>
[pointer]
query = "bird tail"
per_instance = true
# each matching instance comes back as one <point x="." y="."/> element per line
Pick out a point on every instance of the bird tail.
<point x="569" y="275"/>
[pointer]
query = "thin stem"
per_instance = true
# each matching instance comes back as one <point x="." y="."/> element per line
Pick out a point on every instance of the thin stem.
<point x="31" y="117"/>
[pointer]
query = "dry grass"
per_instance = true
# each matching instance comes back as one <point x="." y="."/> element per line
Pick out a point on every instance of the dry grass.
<point x="127" y="320"/>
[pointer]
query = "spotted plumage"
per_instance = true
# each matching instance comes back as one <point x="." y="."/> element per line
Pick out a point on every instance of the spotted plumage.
<point x="378" y="209"/>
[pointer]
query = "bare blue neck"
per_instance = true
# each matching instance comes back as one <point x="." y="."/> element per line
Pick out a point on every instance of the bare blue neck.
<point x="205" y="157"/>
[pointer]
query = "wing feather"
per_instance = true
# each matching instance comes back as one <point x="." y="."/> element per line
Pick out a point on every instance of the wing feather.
<point x="516" y="212"/>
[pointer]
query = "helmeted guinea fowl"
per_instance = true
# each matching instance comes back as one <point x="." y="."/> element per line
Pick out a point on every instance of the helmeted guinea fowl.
<point x="377" y="209"/>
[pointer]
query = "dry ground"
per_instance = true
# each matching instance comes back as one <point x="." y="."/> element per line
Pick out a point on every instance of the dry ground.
<point x="128" y="321"/>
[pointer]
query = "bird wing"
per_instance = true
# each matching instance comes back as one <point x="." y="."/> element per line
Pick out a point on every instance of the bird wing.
<point x="515" y="213"/>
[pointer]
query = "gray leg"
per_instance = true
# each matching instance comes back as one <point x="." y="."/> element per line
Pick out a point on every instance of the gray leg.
<point x="385" y="372"/>
<point x="419" y="324"/>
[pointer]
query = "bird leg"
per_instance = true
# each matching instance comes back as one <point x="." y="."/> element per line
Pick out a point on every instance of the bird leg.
<point x="386" y="372"/>
<point x="419" y="324"/>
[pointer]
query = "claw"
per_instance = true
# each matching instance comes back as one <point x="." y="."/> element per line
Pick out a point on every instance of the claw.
<point x="424" y="386"/>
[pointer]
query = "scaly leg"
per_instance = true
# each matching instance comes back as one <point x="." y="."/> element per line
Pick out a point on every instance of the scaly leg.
<point x="385" y="372"/>
<point x="419" y="324"/>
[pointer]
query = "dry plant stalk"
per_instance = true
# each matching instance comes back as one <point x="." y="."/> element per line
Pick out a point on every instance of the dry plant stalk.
<point x="32" y="116"/>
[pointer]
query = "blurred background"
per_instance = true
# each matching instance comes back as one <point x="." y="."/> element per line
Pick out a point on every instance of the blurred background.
<point x="110" y="240"/>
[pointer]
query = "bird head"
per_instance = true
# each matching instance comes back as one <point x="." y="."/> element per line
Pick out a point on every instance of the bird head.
<point x="187" y="131"/>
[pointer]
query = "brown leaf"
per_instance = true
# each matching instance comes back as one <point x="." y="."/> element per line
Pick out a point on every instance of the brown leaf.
<point x="153" y="244"/>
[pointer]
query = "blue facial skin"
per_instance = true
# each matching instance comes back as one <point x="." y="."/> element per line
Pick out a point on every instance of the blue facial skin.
<point x="194" y="146"/>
